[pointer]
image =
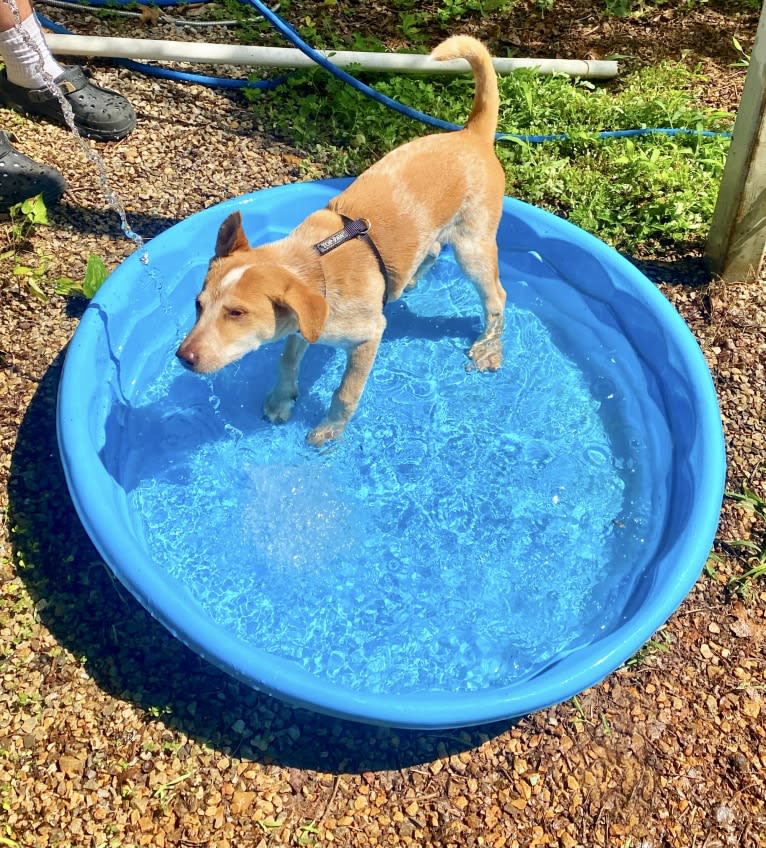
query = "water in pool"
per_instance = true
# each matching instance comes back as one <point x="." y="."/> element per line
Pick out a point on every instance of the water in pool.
<point x="469" y="529"/>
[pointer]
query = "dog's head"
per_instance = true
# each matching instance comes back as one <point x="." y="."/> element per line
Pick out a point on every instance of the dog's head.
<point x="249" y="298"/>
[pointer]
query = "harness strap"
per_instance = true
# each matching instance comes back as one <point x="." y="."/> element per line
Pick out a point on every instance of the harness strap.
<point x="356" y="228"/>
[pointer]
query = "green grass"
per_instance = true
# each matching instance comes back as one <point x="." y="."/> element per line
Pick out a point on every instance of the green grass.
<point x="660" y="643"/>
<point x="650" y="193"/>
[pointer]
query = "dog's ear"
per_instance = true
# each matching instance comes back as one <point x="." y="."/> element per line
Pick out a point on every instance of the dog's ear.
<point x="231" y="236"/>
<point x="310" y="309"/>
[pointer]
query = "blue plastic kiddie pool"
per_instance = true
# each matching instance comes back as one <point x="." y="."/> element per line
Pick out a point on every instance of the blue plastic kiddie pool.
<point x="478" y="545"/>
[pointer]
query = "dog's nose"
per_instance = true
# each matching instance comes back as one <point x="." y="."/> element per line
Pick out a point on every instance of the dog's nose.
<point x="187" y="356"/>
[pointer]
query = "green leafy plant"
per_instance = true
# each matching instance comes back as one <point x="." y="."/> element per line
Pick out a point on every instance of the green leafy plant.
<point x="95" y="274"/>
<point x="442" y="15"/>
<point x="308" y="834"/>
<point x="411" y="24"/>
<point x="33" y="277"/>
<point x="167" y="791"/>
<point x="580" y="718"/>
<point x="449" y="11"/>
<point x="655" y="193"/>
<point x="754" y="548"/>
<point x="659" y="644"/>
<point x="618" y="8"/>
<point x="744" y="58"/>
<point x="26" y="217"/>
<point x="268" y="825"/>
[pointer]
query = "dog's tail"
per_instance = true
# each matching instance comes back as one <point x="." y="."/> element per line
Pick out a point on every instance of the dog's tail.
<point x="486" y="100"/>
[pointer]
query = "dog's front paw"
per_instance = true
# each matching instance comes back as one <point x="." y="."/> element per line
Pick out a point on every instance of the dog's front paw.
<point x="487" y="350"/>
<point x="487" y="354"/>
<point x="278" y="407"/>
<point x="323" y="433"/>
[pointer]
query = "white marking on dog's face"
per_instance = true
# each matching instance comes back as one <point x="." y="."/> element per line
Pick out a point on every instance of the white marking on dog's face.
<point x="235" y="315"/>
<point x="231" y="277"/>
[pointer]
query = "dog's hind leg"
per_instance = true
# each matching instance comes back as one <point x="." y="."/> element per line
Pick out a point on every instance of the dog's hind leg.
<point x="346" y="397"/>
<point x="278" y="405"/>
<point x="479" y="262"/>
<point x="425" y="266"/>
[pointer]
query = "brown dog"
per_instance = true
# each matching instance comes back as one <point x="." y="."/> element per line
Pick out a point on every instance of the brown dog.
<point x="327" y="281"/>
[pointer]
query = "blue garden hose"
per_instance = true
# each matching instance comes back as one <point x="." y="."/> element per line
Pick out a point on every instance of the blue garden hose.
<point x="318" y="58"/>
<point x="289" y="33"/>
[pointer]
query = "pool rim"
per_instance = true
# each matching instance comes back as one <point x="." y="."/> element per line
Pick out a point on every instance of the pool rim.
<point x="284" y="679"/>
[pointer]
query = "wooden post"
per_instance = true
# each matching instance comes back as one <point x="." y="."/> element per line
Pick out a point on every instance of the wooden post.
<point x="737" y="242"/>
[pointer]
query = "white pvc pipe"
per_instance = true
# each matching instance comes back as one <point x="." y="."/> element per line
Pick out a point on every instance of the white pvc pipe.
<point x="287" y="57"/>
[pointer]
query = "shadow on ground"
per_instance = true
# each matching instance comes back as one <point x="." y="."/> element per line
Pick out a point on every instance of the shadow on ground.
<point x="96" y="222"/>
<point x="134" y="658"/>
<point x="691" y="270"/>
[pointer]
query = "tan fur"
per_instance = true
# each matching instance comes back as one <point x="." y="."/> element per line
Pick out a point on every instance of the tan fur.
<point x="439" y="189"/>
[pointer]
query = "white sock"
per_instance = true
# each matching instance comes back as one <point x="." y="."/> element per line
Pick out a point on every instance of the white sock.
<point x="24" y="65"/>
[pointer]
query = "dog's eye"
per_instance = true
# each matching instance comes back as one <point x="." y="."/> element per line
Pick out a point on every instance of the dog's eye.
<point x="235" y="312"/>
<point x="198" y="307"/>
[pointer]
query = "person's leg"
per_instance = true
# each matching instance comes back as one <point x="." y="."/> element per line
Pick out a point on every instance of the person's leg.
<point x="20" y="176"/>
<point x="7" y="18"/>
<point x="27" y="57"/>
<point x="30" y="71"/>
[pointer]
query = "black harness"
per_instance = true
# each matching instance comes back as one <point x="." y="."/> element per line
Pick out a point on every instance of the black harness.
<point x="353" y="229"/>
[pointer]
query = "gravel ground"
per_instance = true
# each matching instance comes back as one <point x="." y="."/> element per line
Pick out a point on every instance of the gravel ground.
<point x="113" y="734"/>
